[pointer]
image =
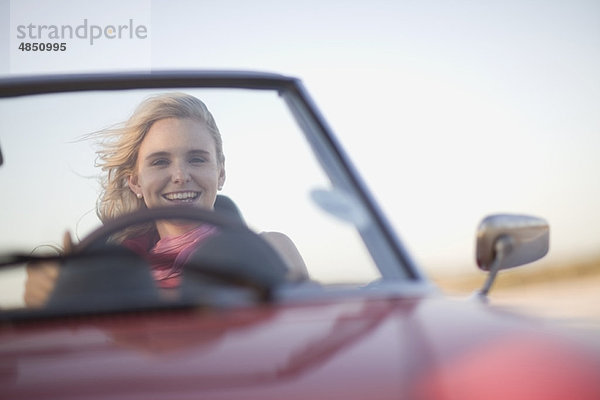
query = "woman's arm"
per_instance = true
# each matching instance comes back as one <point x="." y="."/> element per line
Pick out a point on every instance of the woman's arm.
<point x="289" y="253"/>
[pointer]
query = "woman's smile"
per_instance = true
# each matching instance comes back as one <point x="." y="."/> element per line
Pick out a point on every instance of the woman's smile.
<point x="181" y="197"/>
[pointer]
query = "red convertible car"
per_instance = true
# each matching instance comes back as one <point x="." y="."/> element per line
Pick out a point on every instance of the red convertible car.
<point x="221" y="245"/>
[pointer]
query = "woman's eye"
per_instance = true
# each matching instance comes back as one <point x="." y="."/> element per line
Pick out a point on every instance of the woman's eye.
<point x="160" y="162"/>
<point x="197" y="160"/>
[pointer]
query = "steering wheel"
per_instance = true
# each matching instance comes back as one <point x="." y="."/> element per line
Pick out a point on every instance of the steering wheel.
<point x="104" y="232"/>
<point x="235" y="255"/>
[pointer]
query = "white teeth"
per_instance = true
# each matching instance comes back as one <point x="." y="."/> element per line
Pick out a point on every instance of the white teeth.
<point x="181" y="195"/>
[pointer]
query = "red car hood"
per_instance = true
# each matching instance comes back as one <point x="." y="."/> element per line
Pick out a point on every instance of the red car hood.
<point x="343" y="348"/>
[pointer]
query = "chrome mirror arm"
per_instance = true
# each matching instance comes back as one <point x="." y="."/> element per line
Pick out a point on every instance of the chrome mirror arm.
<point x="502" y="248"/>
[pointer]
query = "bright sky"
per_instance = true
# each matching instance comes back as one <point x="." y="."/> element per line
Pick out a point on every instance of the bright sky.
<point x="452" y="110"/>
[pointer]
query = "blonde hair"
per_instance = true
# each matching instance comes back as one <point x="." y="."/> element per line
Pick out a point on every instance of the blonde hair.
<point x="119" y="146"/>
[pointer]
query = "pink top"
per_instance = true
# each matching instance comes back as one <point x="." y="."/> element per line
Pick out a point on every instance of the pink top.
<point x="167" y="256"/>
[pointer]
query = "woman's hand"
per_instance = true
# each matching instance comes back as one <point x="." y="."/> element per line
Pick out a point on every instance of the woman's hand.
<point x="41" y="278"/>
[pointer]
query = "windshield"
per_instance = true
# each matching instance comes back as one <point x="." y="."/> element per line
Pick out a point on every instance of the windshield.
<point x="282" y="179"/>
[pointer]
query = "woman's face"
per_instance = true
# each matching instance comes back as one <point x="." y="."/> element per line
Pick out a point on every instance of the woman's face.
<point x="177" y="164"/>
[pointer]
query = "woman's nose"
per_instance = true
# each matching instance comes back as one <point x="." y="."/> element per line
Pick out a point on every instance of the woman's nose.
<point x="180" y="174"/>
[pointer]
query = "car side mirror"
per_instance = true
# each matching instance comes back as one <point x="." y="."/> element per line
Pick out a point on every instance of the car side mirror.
<point x="506" y="241"/>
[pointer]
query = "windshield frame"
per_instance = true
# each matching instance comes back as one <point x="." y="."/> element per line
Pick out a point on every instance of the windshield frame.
<point x="390" y="256"/>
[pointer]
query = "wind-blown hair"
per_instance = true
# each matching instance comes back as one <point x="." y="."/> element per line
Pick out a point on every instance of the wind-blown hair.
<point x="119" y="147"/>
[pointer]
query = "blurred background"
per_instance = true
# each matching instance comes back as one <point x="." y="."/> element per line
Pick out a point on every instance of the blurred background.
<point x="452" y="110"/>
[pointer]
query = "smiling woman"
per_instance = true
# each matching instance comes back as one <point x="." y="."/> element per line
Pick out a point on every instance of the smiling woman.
<point x="170" y="148"/>
<point x="168" y="153"/>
